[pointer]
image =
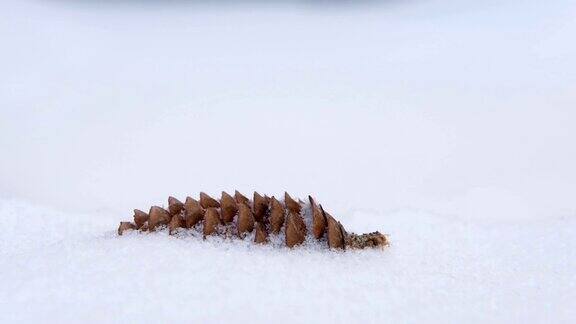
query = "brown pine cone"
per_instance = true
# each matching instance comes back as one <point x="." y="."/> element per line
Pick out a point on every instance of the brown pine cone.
<point x="264" y="216"/>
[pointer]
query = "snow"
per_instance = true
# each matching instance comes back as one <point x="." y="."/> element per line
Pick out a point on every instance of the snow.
<point x="448" y="125"/>
<point x="69" y="268"/>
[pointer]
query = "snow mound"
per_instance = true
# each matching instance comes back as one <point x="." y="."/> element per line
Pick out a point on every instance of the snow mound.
<point x="73" y="267"/>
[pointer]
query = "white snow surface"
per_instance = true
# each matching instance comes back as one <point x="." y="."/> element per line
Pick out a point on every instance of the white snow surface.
<point x="60" y="267"/>
<point x="448" y="125"/>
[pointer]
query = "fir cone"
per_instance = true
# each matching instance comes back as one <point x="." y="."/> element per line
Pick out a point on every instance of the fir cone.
<point x="264" y="215"/>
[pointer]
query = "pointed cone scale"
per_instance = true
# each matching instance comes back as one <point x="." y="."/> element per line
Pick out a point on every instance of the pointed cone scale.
<point x="261" y="235"/>
<point x="124" y="226"/>
<point x="158" y="216"/>
<point x="276" y="215"/>
<point x="174" y="206"/>
<point x="291" y="204"/>
<point x="140" y="218"/>
<point x="229" y="208"/>
<point x="193" y="212"/>
<point x="208" y="202"/>
<point x="245" y="222"/>
<point x="318" y="220"/>
<point x="336" y="233"/>
<point x="240" y="198"/>
<point x="176" y="223"/>
<point x="295" y="230"/>
<point x="211" y="221"/>
<point x="260" y="207"/>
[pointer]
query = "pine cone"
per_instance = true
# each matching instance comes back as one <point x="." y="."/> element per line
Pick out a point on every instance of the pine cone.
<point x="265" y="216"/>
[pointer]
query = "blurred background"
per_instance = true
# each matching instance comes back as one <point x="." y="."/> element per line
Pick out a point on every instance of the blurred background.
<point x="462" y="108"/>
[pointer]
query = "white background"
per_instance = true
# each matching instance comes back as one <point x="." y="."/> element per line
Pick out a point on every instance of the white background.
<point x="449" y="125"/>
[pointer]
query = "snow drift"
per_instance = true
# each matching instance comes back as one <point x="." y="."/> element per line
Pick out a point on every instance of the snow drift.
<point x="448" y="125"/>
